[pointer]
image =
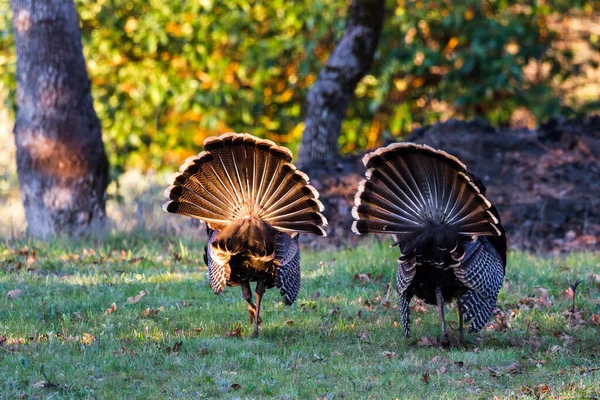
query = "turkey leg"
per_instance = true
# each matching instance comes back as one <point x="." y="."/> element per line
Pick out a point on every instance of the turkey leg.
<point x="440" y="302"/>
<point x="260" y="290"/>
<point x="247" y="293"/>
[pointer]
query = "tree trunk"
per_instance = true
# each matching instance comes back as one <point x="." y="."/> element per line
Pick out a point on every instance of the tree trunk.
<point x="328" y="99"/>
<point x="61" y="163"/>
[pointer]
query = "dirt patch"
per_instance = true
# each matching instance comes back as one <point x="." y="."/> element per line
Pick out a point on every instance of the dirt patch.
<point x="545" y="182"/>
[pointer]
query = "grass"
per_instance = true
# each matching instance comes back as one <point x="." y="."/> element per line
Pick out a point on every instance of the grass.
<point x="65" y="339"/>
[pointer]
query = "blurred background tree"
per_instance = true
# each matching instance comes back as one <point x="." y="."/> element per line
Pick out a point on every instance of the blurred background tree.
<point x="167" y="74"/>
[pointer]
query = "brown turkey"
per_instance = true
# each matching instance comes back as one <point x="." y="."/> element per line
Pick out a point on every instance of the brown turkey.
<point x="255" y="203"/>
<point x="451" y="241"/>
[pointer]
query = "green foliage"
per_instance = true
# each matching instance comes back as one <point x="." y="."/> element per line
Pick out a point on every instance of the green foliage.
<point x="468" y="59"/>
<point x="167" y="74"/>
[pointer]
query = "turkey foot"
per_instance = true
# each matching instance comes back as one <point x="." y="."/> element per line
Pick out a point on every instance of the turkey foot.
<point x="252" y="313"/>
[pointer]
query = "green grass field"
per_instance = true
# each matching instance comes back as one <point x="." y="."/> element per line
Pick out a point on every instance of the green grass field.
<point x="62" y="337"/>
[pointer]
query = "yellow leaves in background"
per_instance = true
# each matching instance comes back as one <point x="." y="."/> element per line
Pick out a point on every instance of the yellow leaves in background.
<point x="131" y="25"/>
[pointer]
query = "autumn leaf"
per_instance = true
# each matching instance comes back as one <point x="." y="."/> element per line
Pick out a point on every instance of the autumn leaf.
<point x="133" y="300"/>
<point x="364" y="336"/>
<point x="111" y="309"/>
<point x="15" y="293"/>
<point x="235" y="332"/>
<point x="541" y="389"/>
<point x="149" y="313"/>
<point x="87" y="339"/>
<point x="174" y="350"/>
<point x="596" y="319"/>
<point x="569" y="294"/>
<point x="427" y="342"/>
<point x="363" y="278"/>
<point x="419" y="306"/>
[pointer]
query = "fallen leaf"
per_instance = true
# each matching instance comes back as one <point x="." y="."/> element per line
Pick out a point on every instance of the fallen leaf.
<point x="363" y="278"/>
<point x="45" y="385"/>
<point x="149" y="313"/>
<point x="87" y="339"/>
<point x="236" y="332"/>
<point x="133" y="300"/>
<point x="596" y="319"/>
<point x="364" y="336"/>
<point x="555" y="349"/>
<point x="427" y="342"/>
<point x="544" y="293"/>
<point x="15" y="293"/>
<point x="175" y="348"/>
<point x="541" y="390"/>
<point x="425" y="377"/>
<point x="390" y="354"/>
<point x="111" y="309"/>
<point x="236" y="386"/>
<point x="419" y="306"/>
<point x="569" y="294"/>
<point x="289" y="322"/>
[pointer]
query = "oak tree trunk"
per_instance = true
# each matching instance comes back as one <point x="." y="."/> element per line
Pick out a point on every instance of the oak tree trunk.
<point x="61" y="163"/>
<point x="328" y="99"/>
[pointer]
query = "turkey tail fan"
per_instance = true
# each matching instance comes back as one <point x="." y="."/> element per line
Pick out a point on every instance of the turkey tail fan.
<point x="414" y="191"/>
<point x="239" y="176"/>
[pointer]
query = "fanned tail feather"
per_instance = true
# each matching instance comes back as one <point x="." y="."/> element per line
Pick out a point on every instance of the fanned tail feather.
<point x="421" y="194"/>
<point x="239" y="176"/>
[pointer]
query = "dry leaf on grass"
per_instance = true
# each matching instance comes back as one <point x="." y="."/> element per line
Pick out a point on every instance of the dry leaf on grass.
<point x="149" y="313"/>
<point x="236" y="332"/>
<point x="133" y="300"/>
<point x="174" y="350"/>
<point x="427" y="342"/>
<point x="419" y="306"/>
<point x="111" y="309"/>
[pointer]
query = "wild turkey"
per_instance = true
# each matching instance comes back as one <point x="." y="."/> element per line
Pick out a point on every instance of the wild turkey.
<point x="255" y="203"/>
<point x="451" y="240"/>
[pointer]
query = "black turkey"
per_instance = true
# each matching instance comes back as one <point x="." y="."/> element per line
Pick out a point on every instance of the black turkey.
<point x="255" y="203"/>
<point x="451" y="240"/>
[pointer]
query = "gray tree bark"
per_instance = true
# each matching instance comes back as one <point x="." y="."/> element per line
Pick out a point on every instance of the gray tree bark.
<point x="61" y="162"/>
<point x="327" y="101"/>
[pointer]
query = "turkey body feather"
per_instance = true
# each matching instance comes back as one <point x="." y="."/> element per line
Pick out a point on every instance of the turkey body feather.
<point x="255" y="203"/>
<point x="450" y="236"/>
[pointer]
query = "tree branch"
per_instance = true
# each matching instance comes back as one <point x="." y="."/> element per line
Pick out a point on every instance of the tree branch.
<point x="328" y="100"/>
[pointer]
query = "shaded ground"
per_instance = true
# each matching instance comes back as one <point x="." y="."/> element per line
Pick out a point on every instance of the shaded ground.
<point x="545" y="182"/>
